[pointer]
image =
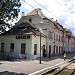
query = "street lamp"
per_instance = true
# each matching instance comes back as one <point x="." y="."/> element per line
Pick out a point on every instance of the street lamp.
<point x="40" y="48"/>
<point x="41" y="32"/>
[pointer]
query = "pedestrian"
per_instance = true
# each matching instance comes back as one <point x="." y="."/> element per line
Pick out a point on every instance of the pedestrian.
<point x="65" y="55"/>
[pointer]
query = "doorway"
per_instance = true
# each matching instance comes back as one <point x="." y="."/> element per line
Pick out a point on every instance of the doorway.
<point x="49" y="50"/>
<point x="44" y="51"/>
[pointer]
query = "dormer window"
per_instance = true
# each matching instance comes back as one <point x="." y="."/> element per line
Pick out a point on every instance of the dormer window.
<point x="30" y="20"/>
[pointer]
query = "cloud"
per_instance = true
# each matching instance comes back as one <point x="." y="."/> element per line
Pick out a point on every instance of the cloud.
<point x="62" y="10"/>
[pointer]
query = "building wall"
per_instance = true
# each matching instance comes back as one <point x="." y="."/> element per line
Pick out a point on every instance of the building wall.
<point x="17" y="47"/>
<point x="34" y="19"/>
<point x="49" y="27"/>
<point x="72" y="44"/>
<point x="36" y="40"/>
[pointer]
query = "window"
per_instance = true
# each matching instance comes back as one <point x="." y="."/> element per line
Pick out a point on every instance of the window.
<point x="11" y="47"/>
<point x="23" y="48"/>
<point x="35" y="49"/>
<point x="62" y="38"/>
<point x="56" y="49"/>
<point x="49" y="50"/>
<point x="30" y="20"/>
<point x="54" y="36"/>
<point x="43" y="47"/>
<point x="28" y="37"/>
<point x="50" y="34"/>
<point x="59" y="37"/>
<point x="59" y="50"/>
<point x="2" y="47"/>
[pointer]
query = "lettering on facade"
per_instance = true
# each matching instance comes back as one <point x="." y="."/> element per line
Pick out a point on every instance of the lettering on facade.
<point x="22" y="37"/>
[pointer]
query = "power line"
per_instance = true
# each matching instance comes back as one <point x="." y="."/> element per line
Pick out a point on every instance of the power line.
<point x="29" y="4"/>
<point x="42" y="7"/>
<point x="45" y="8"/>
<point x="48" y="10"/>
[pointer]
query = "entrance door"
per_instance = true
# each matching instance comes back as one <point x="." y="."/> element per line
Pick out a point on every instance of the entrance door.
<point x="23" y="48"/>
<point x="49" y="50"/>
<point x="44" y="51"/>
<point x="54" y="50"/>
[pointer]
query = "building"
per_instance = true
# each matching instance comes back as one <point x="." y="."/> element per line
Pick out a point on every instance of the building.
<point x="69" y="41"/>
<point x="52" y="29"/>
<point x="22" y="41"/>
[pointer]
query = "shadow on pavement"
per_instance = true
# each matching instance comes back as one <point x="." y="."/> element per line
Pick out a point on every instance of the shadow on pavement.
<point x="11" y="73"/>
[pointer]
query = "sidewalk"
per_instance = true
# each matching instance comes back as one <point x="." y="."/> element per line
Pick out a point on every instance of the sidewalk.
<point x="25" y="67"/>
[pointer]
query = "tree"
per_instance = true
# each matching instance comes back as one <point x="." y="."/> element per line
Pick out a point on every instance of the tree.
<point x="9" y="10"/>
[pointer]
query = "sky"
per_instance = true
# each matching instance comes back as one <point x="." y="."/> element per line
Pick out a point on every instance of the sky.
<point x="61" y="10"/>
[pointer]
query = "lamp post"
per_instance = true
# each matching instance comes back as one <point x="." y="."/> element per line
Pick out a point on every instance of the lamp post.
<point x="40" y="44"/>
<point x="40" y="48"/>
<point x="41" y="32"/>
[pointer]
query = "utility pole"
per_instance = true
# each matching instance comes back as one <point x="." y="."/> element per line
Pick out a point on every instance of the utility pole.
<point x="40" y="48"/>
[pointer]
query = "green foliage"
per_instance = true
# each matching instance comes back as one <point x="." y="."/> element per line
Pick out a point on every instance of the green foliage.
<point x="9" y="9"/>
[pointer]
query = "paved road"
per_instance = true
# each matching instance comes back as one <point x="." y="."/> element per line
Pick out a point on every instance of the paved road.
<point x="24" y="67"/>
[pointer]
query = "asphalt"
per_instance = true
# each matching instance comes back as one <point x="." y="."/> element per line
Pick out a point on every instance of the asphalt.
<point x="29" y="67"/>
